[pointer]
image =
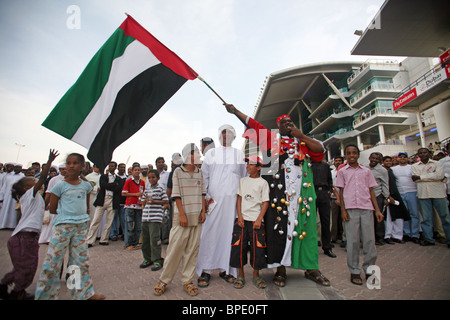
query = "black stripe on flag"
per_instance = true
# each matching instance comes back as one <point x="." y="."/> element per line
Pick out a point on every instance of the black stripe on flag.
<point x="135" y="104"/>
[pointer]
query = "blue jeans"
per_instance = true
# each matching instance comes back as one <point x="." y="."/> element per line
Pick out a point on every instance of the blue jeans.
<point x="134" y="223"/>
<point x="411" y="228"/>
<point x="426" y="206"/>
<point x="119" y="219"/>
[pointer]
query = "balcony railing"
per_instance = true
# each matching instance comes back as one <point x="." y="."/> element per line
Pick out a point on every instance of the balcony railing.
<point x="366" y="116"/>
<point x="367" y="64"/>
<point x="383" y="86"/>
<point x="340" y="131"/>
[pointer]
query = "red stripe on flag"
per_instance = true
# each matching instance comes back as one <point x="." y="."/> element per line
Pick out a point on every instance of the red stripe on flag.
<point x="167" y="57"/>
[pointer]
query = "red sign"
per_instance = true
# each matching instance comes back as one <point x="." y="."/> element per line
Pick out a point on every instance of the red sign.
<point x="447" y="71"/>
<point x="404" y="99"/>
<point x="445" y="57"/>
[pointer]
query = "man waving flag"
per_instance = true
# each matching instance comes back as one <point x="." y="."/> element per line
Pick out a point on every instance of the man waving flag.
<point x="127" y="81"/>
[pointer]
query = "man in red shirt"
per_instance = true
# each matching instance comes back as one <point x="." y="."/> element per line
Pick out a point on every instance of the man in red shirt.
<point x="291" y="219"/>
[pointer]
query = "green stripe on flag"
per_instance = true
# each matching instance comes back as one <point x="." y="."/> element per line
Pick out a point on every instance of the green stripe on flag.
<point x="75" y="105"/>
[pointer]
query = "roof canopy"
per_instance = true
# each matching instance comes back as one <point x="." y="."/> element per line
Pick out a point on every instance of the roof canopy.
<point x="407" y="28"/>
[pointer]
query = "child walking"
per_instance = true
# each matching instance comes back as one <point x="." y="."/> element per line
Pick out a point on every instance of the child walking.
<point x="153" y="201"/>
<point x="70" y="201"/>
<point x="23" y="246"/>
<point x="358" y="201"/>
<point x="248" y="233"/>
<point x="189" y="213"/>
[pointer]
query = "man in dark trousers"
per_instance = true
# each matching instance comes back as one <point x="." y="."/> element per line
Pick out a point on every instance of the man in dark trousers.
<point x="323" y="184"/>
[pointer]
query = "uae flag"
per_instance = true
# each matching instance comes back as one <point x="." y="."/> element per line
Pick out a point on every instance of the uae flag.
<point x="127" y="81"/>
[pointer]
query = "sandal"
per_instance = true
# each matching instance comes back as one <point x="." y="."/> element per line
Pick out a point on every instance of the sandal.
<point x="227" y="277"/>
<point x="190" y="288"/>
<point x="356" y="279"/>
<point x="160" y="288"/>
<point x="317" y="277"/>
<point x="259" y="282"/>
<point x="239" y="283"/>
<point x="279" y="279"/>
<point x="203" y="281"/>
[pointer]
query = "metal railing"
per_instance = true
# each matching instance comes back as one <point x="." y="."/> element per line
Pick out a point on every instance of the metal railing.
<point x="365" y="116"/>
<point x="415" y="83"/>
<point x="367" y="64"/>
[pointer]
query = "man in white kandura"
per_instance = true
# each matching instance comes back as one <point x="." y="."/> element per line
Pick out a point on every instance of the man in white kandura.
<point x="222" y="169"/>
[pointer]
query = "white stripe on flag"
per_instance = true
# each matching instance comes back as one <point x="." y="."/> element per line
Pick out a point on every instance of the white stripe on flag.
<point x="136" y="59"/>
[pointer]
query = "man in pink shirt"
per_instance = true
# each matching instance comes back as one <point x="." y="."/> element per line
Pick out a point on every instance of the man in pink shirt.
<point x="355" y="183"/>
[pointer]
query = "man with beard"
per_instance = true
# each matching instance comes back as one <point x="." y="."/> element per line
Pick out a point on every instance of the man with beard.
<point x="291" y="219"/>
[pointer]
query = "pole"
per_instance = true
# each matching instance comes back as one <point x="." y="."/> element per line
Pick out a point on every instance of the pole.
<point x="202" y="80"/>
<point x="18" y="152"/>
<point x="422" y="135"/>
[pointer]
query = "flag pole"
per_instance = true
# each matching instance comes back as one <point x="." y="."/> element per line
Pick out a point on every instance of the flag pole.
<point x="203" y="80"/>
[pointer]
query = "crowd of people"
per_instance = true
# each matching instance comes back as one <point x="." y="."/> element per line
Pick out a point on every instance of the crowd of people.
<point x="212" y="211"/>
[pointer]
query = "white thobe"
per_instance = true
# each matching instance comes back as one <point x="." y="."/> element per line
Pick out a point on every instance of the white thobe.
<point x="222" y="169"/>
<point x="8" y="216"/>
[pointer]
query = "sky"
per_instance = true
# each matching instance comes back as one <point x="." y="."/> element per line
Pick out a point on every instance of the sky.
<point x="232" y="44"/>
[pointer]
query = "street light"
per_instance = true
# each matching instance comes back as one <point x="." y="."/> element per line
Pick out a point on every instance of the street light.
<point x="18" y="152"/>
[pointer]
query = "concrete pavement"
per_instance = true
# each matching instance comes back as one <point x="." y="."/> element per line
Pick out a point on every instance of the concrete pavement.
<point x="408" y="272"/>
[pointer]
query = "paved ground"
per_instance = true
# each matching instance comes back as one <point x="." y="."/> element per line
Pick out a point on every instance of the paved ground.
<point x="408" y="272"/>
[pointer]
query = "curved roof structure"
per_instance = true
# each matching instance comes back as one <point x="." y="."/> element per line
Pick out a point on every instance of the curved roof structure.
<point x="291" y="91"/>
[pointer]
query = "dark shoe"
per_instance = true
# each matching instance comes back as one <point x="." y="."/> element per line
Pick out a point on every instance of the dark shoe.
<point x="329" y="253"/>
<point x="145" y="264"/>
<point x="379" y="242"/>
<point x="415" y="240"/>
<point x="103" y="243"/>
<point x="90" y="245"/>
<point x="426" y="243"/>
<point x="407" y="238"/>
<point x="343" y="244"/>
<point x="156" y="266"/>
<point x="398" y="241"/>
<point x="389" y="241"/>
<point x="114" y="239"/>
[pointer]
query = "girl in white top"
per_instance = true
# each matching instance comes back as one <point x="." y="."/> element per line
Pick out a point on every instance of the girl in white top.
<point x="23" y="245"/>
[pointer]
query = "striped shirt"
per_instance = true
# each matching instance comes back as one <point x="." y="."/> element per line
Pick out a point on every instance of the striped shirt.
<point x="189" y="187"/>
<point x="154" y="212"/>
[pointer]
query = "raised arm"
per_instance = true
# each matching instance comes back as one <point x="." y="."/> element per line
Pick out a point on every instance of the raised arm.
<point x="46" y="168"/>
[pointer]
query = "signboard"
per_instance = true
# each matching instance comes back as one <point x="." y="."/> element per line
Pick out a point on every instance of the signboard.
<point x="404" y="99"/>
<point x="424" y="85"/>
<point x="445" y="57"/>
